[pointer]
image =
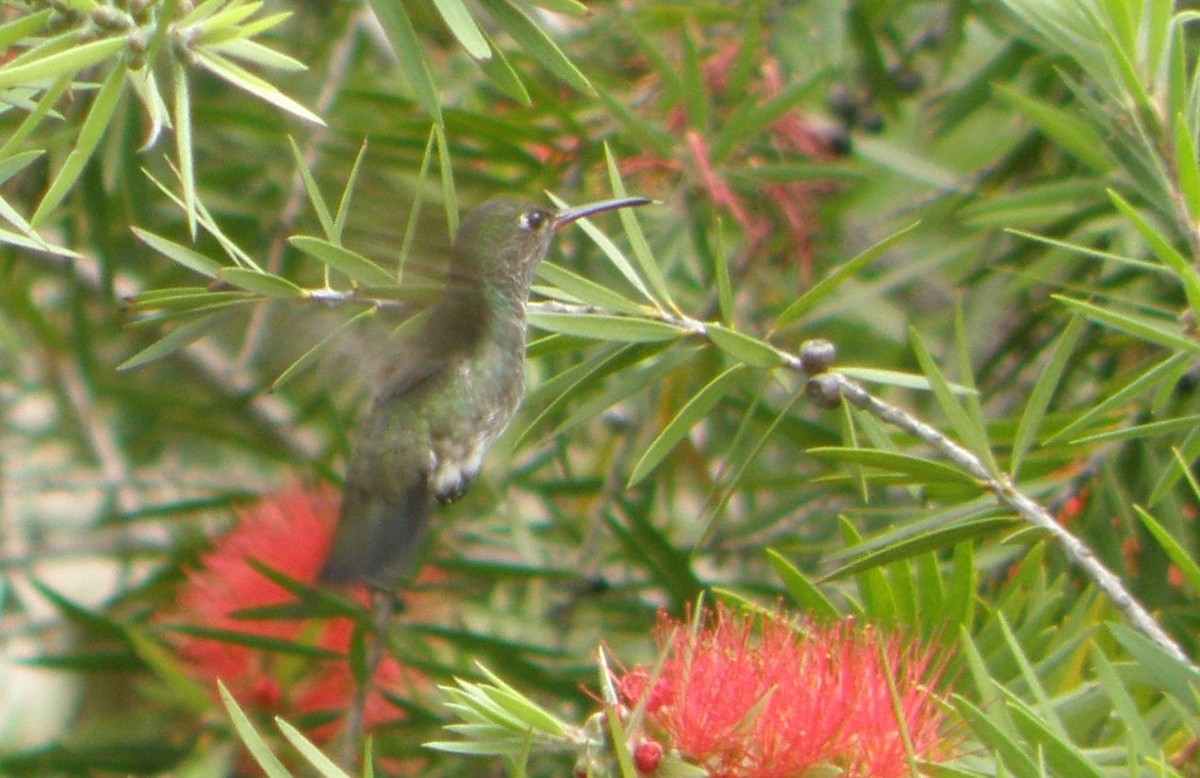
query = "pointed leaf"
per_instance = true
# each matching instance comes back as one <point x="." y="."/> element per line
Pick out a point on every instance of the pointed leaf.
<point x="459" y="20"/>
<point x="752" y="351"/>
<point x="823" y="288"/>
<point x="688" y="416"/>
<point x="353" y="265"/>
<point x="266" y="284"/>
<point x="313" y="755"/>
<point x="315" y="198"/>
<point x="637" y="239"/>
<point x="171" y="342"/>
<point x="1043" y="391"/>
<point x="75" y="58"/>
<point x="1161" y="332"/>
<point x="607" y="328"/>
<point x="540" y="46"/>
<point x="588" y="292"/>
<point x="410" y="54"/>
<point x="90" y="132"/>
<point x="243" y="79"/>
<point x="253" y="741"/>
<point x="922" y="470"/>
<point x="804" y="593"/>
<point x="184" y="255"/>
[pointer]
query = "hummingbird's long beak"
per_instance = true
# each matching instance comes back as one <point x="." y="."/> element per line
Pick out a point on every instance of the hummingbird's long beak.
<point x="569" y="215"/>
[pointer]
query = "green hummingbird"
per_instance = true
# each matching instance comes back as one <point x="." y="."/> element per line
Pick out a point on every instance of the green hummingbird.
<point x="447" y="391"/>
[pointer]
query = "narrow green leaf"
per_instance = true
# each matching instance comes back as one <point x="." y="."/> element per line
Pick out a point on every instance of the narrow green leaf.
<point x="1162" y="249"/>
<point x="22" y="27"/>
<point x="1177" y="553"/>
<point x="352" y="264"/>
<point x="184" y="255"/>
<point x="226" y="19"/>
<point x="1125" y="708"/>
<point x="308" y="357"/>
<point x="183" y="142"/>
<point x="74" y="59"/>
<point x="171" y="342"/>
<point x="607" y="328"/>
<point x="804" y="593"/>
<point x="1115" y="399"/>
<point x="1141" y="431"/>
<point x="1187" y="451"/>
<point x="960" y="420"/>
<point x="253" y="741"/>
<point x="984" y="725"/>
<point x="741" y="466"/>
<point x="414" y="211"/>
<point x="343" y="211"/>
<point x="504" y="76"/>
<point x="10" y="166"/>
<point x="568" y="7"/>
<point x="1165" y="334"/>
<point x="258" y="54"/>
<point x="459" y="20"/>
<point x="313" y="755"/>
<point x="1187" y="166"/>
<point x="823" y="288"/>
<point x="167" y="666"/>
<point x="566" y="387"/>
<point x="1179" y="680"/>
<point x="899" y="379"/>
<point x="319" y="206"/>
<point x="637" y="239"/>
<point x="98" y="624"/>
<point x="45" y="107"/>
<point x="752" y="351"/>
<point x="688" y="416"/>
<point x="243" y="79"/>
<point x="1039" y="399"/>
<point x="537" y="43"/>
<point x="1065" y="127"/>
<point x="919" y="468"/>
<point x="89" y="136"/>
<point x="410" y="55"/>
<point x="588" y="292"/>
<point x="1062" y="757"/>
<point x="266" y="284"/>
<point x="1137" y="264"/>
<point x="256" y="641"/>
<point x="446" y="169"/>
<point x="524" y="710"/>
<point x="970" y="401"/>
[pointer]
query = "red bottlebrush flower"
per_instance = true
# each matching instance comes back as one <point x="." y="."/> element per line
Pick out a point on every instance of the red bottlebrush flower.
<point x="775" y="702"/>
<point x="292" y="532"/>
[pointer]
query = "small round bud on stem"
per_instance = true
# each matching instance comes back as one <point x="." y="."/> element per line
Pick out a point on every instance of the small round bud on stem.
<point x="823" y="390"/>
<point x="817" y="355"/>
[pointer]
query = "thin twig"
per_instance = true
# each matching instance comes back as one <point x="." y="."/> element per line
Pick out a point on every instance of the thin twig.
<point x="832" y="385"/>
<point x="1007" y="494"/>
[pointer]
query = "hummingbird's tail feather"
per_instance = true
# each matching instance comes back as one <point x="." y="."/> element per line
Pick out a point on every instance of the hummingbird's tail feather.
<point x="378" y="539"/>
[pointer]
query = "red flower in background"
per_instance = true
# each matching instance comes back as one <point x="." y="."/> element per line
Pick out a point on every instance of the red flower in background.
<point x="290" y="532"/>
<point x="775" y="702"/>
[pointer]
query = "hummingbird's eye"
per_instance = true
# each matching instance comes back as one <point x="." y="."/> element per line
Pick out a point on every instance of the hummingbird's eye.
<point x="532" y="221"/>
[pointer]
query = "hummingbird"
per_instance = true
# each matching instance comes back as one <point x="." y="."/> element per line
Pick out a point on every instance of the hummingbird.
<point x="447" y="391"/>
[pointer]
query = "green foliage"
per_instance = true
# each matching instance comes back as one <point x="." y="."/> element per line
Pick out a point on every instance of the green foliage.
<point x="990" y="210"/>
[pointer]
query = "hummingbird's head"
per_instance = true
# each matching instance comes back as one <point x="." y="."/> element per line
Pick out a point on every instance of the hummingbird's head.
<point x="504" y="240"/>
